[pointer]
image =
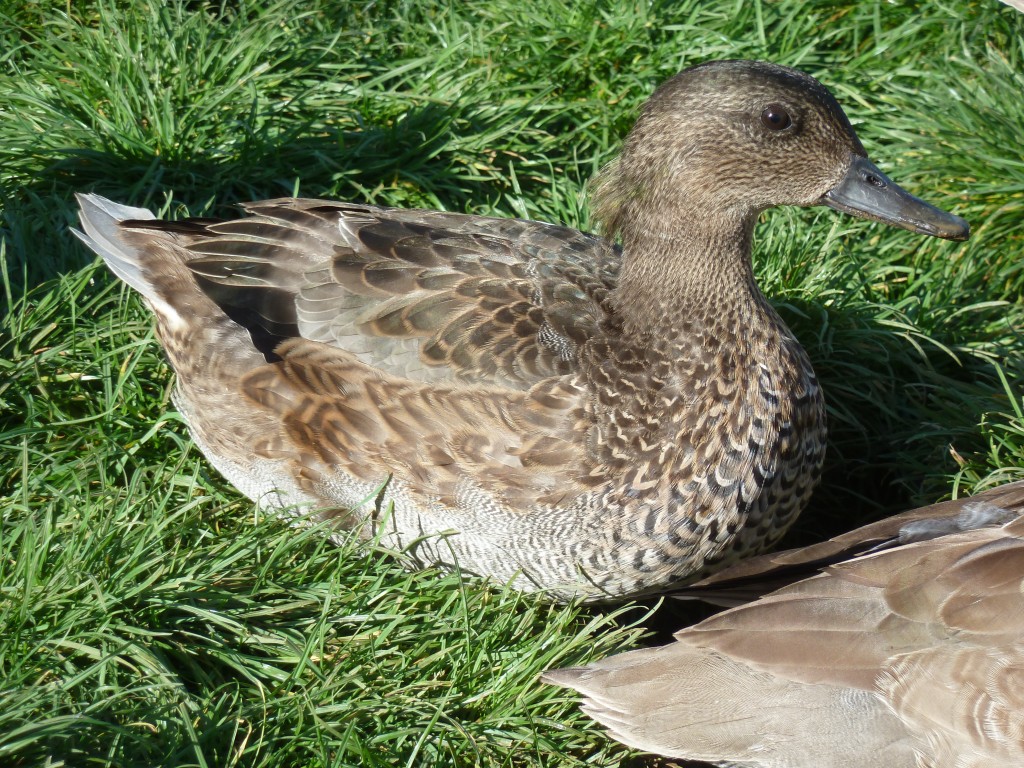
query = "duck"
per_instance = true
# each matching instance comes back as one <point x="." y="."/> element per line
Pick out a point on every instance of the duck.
<point x="903" y="648"/>
<point x="589" y="416"/>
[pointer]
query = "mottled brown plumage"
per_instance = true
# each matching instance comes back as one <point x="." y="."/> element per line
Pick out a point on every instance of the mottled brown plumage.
<point x="591" y="420"/>
<point x="908" y="655"/>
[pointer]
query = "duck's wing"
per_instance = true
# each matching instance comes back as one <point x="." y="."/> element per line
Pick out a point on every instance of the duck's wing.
<point x="278" y="384"/>
<point x="963" y="696"/>
<point x="766" y="685"/>
<point x="424" y="295"/>
<point x="842" y="625"/>
<point x="447" y="443"/>
<point x="907" y="657"/>
<point x="751" y="578"/>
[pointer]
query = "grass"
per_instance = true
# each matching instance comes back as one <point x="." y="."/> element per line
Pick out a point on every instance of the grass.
<point x="149" y="617"/>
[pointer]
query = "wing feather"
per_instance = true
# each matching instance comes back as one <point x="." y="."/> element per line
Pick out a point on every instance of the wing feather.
<point x="423" y="295"/>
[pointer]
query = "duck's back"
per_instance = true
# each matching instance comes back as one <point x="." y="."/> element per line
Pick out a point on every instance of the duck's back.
<point x="425" y="295"/>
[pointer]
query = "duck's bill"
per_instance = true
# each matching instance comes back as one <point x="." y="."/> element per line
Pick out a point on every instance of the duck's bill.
<point x="867" y="192"/>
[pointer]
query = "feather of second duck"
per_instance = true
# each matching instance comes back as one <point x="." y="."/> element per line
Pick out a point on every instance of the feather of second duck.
<point x="911" y="655"/>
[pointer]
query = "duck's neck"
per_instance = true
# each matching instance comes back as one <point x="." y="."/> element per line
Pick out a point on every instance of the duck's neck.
<point x="695" y="268"/>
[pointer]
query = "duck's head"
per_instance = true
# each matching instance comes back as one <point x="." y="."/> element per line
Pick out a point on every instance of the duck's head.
<point x="727" y="139"/>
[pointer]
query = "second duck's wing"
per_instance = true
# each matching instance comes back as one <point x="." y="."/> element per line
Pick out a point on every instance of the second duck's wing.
<point x="756" y="576"/>
<point x="907" y="657"/>
<point x="424" y="295"/>
<point x="935" y="628"/>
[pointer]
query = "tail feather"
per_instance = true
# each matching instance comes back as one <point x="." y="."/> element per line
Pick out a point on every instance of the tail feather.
<point x="152" y="257"/>
<point x="101" y="231"/>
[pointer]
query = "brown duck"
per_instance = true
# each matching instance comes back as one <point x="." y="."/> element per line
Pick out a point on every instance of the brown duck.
<point x="908" y="654"/>
<point x="582" y="418"/>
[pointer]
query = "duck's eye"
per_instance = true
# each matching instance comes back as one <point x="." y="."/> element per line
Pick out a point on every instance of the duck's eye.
<point x="776" y="118"/>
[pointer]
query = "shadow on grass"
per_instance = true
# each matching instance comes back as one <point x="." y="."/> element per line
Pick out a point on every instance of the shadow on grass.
<point x="419" y="159"/>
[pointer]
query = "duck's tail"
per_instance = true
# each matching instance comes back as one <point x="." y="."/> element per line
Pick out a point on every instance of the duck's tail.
<point x="101" y="221"/>
<point x="150" y="259"/>
<point x="151" y="255"/>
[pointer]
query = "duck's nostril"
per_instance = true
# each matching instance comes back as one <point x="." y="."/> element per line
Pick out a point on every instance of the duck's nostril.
<point x="874" y="180"/>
